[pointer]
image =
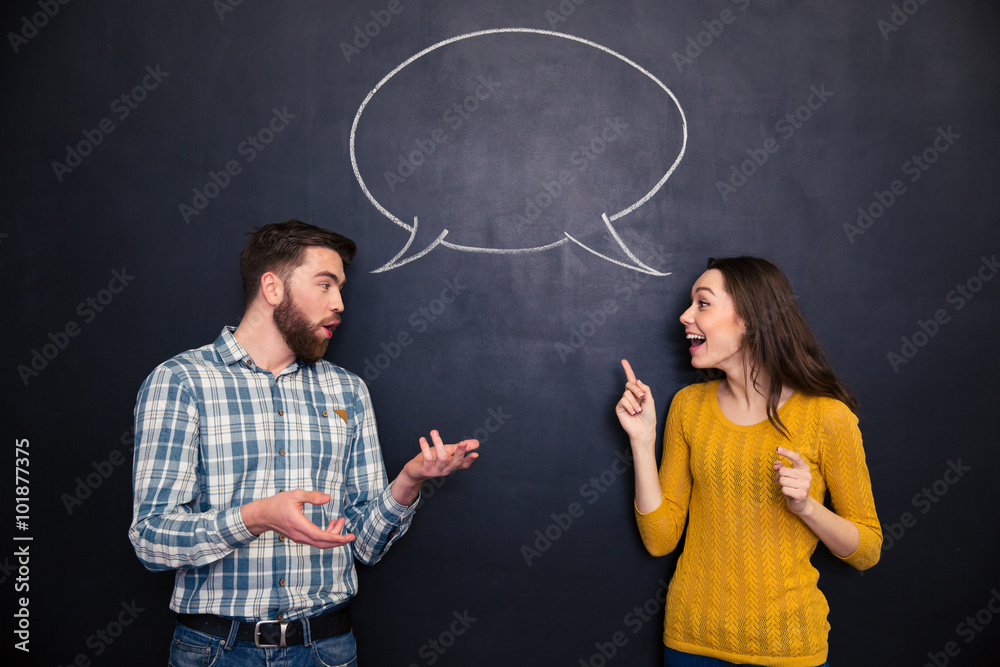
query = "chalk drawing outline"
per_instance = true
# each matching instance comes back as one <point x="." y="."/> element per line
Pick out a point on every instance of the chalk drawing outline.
<point x="395" y="261"/>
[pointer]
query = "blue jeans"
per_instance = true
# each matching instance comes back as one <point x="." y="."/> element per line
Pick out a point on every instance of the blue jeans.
<point x="672" y="658"/>
<point x="190" y="648"/>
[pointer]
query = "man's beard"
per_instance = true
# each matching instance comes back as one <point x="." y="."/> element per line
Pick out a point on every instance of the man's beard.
<point x="299" y="333"/>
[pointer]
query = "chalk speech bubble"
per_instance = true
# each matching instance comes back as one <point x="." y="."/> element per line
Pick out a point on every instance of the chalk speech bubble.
<point x="427" y="241"/>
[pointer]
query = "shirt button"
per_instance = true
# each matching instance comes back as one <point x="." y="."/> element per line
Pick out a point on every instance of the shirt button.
<point x="282" y="452"/>
<point x="281" y="412"/>
<point x="280" y="616"/>
<point x="324" y="413"/>
<point x="281" y="538"/>
<point x="281" y="582"/>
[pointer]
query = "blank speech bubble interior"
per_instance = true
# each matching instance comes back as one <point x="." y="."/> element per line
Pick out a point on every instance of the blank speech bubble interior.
<point x="466" y="139"/>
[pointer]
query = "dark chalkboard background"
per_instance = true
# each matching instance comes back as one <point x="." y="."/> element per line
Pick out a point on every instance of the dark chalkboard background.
<point x="797" y="115"/>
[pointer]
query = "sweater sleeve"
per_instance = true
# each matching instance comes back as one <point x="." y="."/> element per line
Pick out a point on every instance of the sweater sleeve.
<point x="661" y="529"/>
<point x="842" y="463"/>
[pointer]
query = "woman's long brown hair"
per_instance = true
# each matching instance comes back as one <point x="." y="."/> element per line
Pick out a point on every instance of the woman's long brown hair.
<point x="779" y="344"/>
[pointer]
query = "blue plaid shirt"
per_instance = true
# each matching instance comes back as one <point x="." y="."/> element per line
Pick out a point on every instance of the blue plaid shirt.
<point x="214" y="432"/>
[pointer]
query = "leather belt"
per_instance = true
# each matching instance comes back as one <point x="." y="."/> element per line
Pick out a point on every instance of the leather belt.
<point x="272" y="634"/>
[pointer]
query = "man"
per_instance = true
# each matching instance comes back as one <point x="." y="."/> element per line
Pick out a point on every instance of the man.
<point x="252" y="456"/>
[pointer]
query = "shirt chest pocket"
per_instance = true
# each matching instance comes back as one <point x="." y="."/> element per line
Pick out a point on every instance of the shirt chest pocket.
<point x="319" y="443"/>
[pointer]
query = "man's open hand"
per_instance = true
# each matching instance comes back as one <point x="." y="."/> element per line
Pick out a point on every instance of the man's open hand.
<point x="438" y="461"/>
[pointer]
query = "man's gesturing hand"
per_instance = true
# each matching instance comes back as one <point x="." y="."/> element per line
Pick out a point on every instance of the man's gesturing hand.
<point x="282" y="513"/>
<point x="438" y="461"/>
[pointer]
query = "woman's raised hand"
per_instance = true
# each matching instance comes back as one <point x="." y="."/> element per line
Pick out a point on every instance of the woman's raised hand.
<point x="636" y="410"/>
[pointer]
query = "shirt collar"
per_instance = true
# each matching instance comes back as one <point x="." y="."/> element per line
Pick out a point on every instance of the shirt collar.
<point x="231" y="352"/>
<point x="228" y="349"/>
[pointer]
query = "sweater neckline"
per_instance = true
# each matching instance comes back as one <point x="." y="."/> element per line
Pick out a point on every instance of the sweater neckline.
<point x="746" y="428"/>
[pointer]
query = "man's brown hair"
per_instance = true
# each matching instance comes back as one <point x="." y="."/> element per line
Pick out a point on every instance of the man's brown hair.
<point x="279" y="247"/>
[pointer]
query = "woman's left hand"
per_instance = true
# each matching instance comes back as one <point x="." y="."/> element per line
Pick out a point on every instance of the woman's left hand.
<point x="794" y="481"/>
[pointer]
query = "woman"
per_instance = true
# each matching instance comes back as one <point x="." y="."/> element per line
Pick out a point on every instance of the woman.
<point x="746" y="461"/>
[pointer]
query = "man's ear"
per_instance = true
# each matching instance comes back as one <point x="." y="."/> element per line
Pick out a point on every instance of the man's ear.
<point x="272" y="288"/>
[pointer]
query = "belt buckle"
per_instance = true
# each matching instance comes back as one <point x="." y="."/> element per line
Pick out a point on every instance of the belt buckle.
<point x="256" y="634"/>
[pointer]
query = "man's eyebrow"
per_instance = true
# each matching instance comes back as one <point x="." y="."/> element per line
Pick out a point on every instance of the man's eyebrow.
<point x="332" y="276"/>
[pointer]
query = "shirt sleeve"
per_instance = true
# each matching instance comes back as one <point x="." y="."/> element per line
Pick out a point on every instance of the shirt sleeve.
<point x="373" y="515"/>
<point x="846" y="474"/>
<point x="167" y="529"/>
<point x="661" y="529"/>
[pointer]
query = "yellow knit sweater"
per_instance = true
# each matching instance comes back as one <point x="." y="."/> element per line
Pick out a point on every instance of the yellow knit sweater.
<point x="744" y="590"/>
